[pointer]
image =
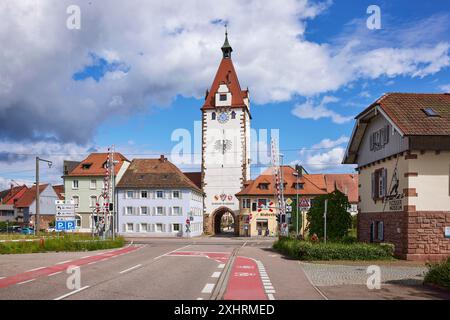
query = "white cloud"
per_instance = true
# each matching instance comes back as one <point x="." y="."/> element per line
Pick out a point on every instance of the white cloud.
<point x="308" y="110"/>
<point x="445" y="88"/>
<point x="326" y="155"/>
<point x="173" y="48"/>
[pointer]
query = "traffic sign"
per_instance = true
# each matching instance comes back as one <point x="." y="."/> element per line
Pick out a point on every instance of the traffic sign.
<point x="188" y="221"/>
<point x="65" y="225"/>
<point x="289" y="201"/>
<point x="288" y="208"/>
<point x="304" y="203"/>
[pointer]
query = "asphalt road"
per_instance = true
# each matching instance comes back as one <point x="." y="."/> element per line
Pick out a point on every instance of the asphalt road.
<point x="180" y="269"/>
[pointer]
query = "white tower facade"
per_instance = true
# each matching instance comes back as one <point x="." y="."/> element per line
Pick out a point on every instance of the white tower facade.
<point x="225" y="143"/>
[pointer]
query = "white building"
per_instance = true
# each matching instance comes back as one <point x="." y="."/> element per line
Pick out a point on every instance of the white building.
<point x="155" y="199"/>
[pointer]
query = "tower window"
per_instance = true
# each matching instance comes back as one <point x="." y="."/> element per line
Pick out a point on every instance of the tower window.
<point x="223" y="97"/>
<point x="233" y="115"/>
<point x="213" y="116"/>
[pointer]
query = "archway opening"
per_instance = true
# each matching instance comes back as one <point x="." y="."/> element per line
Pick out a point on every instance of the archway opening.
<point x="225" y="222"/>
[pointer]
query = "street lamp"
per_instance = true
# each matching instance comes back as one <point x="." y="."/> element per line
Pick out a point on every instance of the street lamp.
<point x="295" y="173"/>
<point x="36" y="225"/>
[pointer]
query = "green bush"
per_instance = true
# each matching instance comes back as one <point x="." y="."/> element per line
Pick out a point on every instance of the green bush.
<point x="304" y="250"/>
<point x="439" y="274"/>
<point x="61" y="243"/>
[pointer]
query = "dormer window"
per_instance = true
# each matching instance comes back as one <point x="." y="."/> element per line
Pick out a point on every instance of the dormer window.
<point x="297" y="186"/>
<point x="86" y="166"/>
<point x="223" y="97"/>
<point x="233" y="115"/>
<point x="213" y="116"/>
<point x="263" y="186"/>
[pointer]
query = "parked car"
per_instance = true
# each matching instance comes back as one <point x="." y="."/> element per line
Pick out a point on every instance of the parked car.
<point x="27" y="230"/>
<point x="12" y="229"/>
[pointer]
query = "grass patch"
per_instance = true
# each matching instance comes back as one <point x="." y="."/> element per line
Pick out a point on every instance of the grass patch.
<point x="67" y="242"/>
<point x="304" y="250"/>
<point x="439" y="274"/>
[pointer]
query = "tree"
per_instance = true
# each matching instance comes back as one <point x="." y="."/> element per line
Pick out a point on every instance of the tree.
<point x="295" y="211"/>
<point x="339" y="220"/>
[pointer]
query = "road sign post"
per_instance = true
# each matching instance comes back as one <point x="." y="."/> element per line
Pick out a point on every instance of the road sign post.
<point x="65" y="215"/>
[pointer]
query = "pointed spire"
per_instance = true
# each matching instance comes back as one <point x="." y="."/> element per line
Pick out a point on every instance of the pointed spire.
<point x="226" y="48"/>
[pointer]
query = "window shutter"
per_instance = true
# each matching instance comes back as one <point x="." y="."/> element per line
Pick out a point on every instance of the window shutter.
<point x="181" y="211"/>
<point x="153" y="211"/>
<point x="164" y="211"/>
<point x="124" y="227"/>
<point x="138" y="226"/>
<point x="171" y="211"/>
<point x="381" y="231"/>
<point x="372" y="231"/>
<point x="169" y="194"/>
<point x="385" y="191"/>
<point x="163" y="227"/>
<point x="372" y="176"/>
<point x="180" y="194"/>
<point x="170" y="227"/>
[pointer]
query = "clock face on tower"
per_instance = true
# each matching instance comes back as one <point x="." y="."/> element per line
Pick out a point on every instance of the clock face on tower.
<point x="223" y="117"/>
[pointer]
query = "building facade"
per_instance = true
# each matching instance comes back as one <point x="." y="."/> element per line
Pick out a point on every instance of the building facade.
<point x="26" y="206"/>
<point x="8" y="199"/>
<point x="401" y="146"/>
<point x="155" y="199"/>
<point x="259" y="204"/>
<point x="84" y="184"/>
<point x="225" y="143"/>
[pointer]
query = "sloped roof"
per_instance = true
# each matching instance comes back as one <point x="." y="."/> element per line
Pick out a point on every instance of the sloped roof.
<point x="195" y="177"/>
<point x="8" y="196"/>
<point x="96" y="162"/>
<point x="226" y="74"/>
<point x="155" y="173"/>
<point x="313" y="184"/>
<point x="345" y="183"/>
<point x="59" y="189"/>
<point x="29" y="196"/>
<point x="406" y="112"/>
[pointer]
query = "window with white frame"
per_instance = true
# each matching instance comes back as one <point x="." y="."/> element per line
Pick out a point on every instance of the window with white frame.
<point x="144" y="227"/>
<point x="159" y="211"/>
<point x="93" y="201"/>
<point x="75" y="184"/>
<point x="130" y="194"/>
<point x="176" y="211"/>
<point x="130" y="227"/>
<point x="176" y="227"/>
<point x="129" y="210"/>
<point x="93" y="184"/>
<point x="159" y="194"/>
<point x="144" y="194"/>
<point x="380" y="229"/>
<point x="246" y="203"/>
<point x="159" y="227"/>
<point x="176" y="194"/>
<point x="76" y="201"/>
<point x="144" y="211"/>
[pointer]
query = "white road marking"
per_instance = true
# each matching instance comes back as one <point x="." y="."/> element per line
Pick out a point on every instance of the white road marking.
<point x="271" y="297"/>
<point x="266" y="280"/>
<point x="2" y="278"/>
<point x="165" y="254"/>
<point x="268" y="288"/>
<point x="221" y="266"/>
<point x="23" y="282"/>
<point x="71" y="293"/>
<point x="216" y="274"/>
<point x="270" y="291"/>
<point x="54" y="274"/>
<point x="92" y="262"/>
<point x="208" y="288"/>
<point x="62" y="262"/>
<point x="132" y="268"/>
<point x="85" y="257"/>
<point x="36" y="269"/>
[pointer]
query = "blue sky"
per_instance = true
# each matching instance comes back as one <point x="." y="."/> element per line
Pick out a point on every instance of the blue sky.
<point x="311" y="66"/>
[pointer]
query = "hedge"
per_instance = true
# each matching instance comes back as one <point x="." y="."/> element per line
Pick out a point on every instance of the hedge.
<point x="304" y="250"/>
<point x="63" y="243"/>
<point x="439" y="274"/>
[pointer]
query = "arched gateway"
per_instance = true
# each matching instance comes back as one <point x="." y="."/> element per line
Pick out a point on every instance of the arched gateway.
<point x="216" y="218"/>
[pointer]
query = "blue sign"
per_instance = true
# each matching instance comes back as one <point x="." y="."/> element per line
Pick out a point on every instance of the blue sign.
<point x="67" y="225"/>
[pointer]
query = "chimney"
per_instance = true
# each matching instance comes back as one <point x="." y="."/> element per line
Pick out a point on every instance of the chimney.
<point x="162" y="158"/>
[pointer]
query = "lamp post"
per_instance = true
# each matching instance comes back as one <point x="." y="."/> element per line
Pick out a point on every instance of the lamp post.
<point x="295" y="173"/>
<point x="36" y="224"/>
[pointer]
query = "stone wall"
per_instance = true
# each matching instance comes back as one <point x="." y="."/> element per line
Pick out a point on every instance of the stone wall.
<point x="417" y="235"/>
